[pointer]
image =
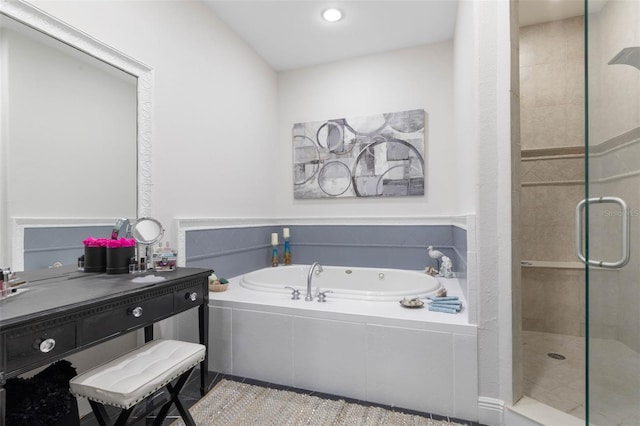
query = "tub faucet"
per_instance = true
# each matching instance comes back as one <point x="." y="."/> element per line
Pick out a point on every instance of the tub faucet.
<point x="309" y="296"/>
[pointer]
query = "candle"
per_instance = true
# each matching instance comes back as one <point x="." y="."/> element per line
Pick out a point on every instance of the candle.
<point x="285" y="233"/>
<point x="274" y="239"/>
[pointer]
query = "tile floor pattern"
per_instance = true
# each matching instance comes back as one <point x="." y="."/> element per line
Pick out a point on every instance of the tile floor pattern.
<point x="614" y="377"/>
<point x="191" y="394"/>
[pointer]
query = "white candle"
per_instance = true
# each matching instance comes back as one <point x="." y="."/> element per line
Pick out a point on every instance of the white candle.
<point x="274" y="239"/>
<point x="285" y="233"/>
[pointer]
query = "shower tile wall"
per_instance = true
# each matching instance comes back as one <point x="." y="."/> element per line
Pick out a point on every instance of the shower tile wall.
<point x="552" y="84"/>
<point x="614" y="145"/>
<point x="552" y="173"/>
<point x="613" y="313"/>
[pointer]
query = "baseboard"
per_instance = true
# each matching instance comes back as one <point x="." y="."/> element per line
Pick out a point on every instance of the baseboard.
<point x="490" y="411"/>
<point x="529" y="412"/>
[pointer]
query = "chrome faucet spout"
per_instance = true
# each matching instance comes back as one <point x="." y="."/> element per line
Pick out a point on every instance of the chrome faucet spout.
<point x="309" y="296"/>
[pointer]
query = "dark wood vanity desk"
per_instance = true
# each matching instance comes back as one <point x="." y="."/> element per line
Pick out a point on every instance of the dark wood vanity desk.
<point x="63" y="311"/>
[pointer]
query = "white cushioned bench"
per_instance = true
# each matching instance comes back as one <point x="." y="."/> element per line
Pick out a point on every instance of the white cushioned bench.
<point x="130" y="378"/>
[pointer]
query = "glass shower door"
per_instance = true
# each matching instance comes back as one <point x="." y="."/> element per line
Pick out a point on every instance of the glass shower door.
<point x="610" y="241"/>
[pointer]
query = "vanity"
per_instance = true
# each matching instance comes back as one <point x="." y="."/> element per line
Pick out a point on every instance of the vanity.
<point x="62" y="311"/>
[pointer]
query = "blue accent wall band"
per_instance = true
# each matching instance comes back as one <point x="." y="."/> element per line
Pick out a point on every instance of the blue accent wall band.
<point x="43" y="246"/>
<point x="235" y="251"/>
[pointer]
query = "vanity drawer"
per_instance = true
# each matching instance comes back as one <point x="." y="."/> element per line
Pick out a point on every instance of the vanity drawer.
<point x="35" y="346"/>
<point x="189" y="297"/>
<point x="127" y="316"/>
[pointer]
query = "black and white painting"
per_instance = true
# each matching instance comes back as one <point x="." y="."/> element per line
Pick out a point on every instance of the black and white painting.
<point x="379" y="155"/>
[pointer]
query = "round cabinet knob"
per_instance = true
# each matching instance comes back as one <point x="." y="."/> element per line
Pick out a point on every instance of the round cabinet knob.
<point x="191" y="296"/>
<point x="45" y="345"/>
<point x="136" y="312"/>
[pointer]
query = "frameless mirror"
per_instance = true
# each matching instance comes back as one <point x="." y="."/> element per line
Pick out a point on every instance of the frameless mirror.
<point x="147" y="231"/>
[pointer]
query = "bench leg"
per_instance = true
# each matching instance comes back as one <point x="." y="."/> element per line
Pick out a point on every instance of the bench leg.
<point x="123" y="417"/>
<point x="101" y="414"/>
<point x="174" y="392"/>
<point x="103" y="418"/>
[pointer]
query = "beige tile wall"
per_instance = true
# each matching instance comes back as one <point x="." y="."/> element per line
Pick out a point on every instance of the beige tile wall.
<point x="552" y="172"/>
<point x="614" y="156"/>
<point x="614" y="103"/>
<point x="552" y="119"/>
<point x="553" y="300"/>
<point x="552" y="84"/>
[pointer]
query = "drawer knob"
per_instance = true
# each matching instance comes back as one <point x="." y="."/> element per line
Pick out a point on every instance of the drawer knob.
<point x="45" y="345"/>
<point x="136" y="312"/>
<point x="191" y="296"/>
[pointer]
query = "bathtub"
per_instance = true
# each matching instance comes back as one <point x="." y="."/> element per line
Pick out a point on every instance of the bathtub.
<point x="369" y="284"/>
<point x="361" y="343"/>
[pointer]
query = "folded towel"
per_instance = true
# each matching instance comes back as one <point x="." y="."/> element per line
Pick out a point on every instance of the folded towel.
<point x="443" y="309"/>
<point x="445" y="302"/>
<point x="456" y="307"/>
<point x="442" y="298"/>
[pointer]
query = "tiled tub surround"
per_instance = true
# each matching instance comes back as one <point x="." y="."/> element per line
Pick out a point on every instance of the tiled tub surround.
<point x="236" y="249"/>
<point x="372" y="351"/>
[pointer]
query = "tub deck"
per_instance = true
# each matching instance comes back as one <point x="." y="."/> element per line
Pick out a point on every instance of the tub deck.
<point x="373" y="351"/>
<point x="387" y="313"/>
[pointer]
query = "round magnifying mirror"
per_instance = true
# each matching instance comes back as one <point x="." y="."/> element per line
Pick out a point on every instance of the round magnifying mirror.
<point x="147" y="231"/>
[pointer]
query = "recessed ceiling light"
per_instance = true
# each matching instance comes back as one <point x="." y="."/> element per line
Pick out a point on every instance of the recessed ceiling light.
<point x="332" y="15"/>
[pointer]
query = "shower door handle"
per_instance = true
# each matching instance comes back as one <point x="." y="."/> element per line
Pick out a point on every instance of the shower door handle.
<point x="625" y="232"/>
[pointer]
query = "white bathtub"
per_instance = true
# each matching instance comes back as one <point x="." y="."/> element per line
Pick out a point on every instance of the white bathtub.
<point x="370" y="284"/>
<point x="370" y="350"/>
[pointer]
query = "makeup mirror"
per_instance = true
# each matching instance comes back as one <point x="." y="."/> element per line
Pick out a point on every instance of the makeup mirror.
<point x="147" y="231"/>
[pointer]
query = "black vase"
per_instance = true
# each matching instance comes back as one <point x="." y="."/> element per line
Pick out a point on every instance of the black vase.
<point x="95" y="259"/>
<point x="118" y="259"/>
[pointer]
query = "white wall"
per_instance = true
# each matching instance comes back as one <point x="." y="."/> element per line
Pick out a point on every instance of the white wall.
<point x="483" y="110"/>
<point x="465" y="106"/>
<point x="413" y="78"/>
<point x="214" y="106"/>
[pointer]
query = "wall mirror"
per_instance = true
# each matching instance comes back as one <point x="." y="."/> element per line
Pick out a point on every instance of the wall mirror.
<point x="75" y="129"/>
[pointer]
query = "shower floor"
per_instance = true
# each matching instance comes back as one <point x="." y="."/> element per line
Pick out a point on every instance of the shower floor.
<point x="614" y="372"/>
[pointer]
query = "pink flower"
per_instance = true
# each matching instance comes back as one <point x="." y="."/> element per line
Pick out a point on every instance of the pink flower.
<point x="95" y="242"/>
<point x="122" y="242"/>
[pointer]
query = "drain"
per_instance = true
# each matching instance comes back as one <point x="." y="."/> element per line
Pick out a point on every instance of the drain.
<point x="556" y="356"/>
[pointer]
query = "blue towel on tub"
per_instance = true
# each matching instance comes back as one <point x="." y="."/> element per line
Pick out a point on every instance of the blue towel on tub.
<point x="447" y="304"/>
<point x="442" y="298"/>
<point x="438" y="308"/>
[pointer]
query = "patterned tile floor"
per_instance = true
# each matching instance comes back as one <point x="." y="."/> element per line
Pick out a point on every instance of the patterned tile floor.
<point x="614" y="377"/>
<point x="191" y="394"/>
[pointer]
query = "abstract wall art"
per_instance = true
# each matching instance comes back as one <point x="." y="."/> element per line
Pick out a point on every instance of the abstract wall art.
<point x="379" y="155"/>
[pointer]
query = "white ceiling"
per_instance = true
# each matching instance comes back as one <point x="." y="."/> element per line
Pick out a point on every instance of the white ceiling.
<point x="291" y="34"/>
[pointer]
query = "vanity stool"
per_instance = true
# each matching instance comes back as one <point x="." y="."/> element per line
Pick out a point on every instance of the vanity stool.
<point x="125" y="381"/>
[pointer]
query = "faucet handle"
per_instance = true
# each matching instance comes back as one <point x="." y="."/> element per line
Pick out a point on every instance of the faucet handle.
<point x="322" y="295"/>
<point x="295" y="294"/>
